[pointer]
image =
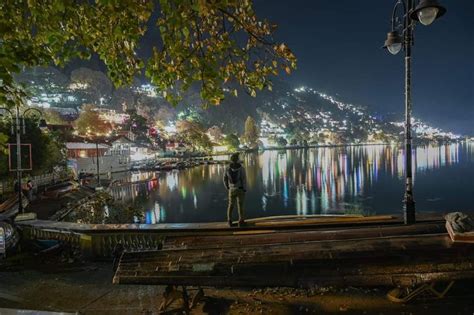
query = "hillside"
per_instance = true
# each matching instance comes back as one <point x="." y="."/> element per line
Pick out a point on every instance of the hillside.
<point x="297" y="112"/>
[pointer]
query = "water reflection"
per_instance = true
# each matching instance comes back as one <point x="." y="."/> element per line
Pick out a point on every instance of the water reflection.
<point x="354" y="179"/>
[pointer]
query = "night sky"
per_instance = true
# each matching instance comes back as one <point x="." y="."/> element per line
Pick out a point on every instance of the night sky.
<point x="338" y="48"/>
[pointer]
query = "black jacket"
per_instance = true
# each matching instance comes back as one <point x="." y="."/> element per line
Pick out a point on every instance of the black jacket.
<point x="234" y="177"/>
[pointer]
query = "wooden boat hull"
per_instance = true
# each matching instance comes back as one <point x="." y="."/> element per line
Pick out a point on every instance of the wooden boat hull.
<point x="368" y="256"/>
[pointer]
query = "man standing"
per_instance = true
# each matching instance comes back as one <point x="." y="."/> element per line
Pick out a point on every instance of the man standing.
<point x="235" y="183"/>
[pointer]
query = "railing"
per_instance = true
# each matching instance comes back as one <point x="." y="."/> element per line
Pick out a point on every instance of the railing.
<point x="92" y="240"/>
<point x="6" y="185"/>
<point x="98" y="241"/>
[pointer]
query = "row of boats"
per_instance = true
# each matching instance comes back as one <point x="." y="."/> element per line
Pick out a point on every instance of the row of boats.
<point x="170" y="165"/>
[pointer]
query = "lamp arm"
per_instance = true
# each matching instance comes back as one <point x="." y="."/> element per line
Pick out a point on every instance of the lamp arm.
<point x="9" y="111"/>
<point x="399" y="3"/>
<point x="40" y="113"/>
<point x="28" y="111"/>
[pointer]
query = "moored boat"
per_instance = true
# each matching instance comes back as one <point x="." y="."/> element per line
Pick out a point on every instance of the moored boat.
<point x="57" y="190"/>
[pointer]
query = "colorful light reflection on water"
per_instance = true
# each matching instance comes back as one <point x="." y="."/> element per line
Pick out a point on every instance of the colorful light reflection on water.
<point x="353" y="179"/>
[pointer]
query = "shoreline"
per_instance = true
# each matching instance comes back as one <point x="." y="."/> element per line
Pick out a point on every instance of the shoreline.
<point x="300" y="147"/>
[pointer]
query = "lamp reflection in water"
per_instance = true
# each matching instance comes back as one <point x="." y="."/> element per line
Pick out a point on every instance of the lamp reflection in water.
<point x="155" y="215"/>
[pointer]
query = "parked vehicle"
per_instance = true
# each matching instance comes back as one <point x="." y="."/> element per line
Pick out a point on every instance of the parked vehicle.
<point x="9" y="238"/>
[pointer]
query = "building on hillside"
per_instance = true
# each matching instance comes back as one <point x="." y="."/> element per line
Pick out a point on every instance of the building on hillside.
<point x="177" y="148"/>
<point x="269" y="132"/>
<point x="219" y="148"/>
<point x="114" y="155"/>
<point x="111" y="116"/>
<point x="140" y="152"/>
<point x="127" y="133"/>
<point x="77" y="150"/>
<point x="119" y="146"/>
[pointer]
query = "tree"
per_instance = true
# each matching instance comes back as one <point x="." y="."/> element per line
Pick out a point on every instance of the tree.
<point x="358" y="134"/>
<point x="185" y="126"/>
<point x="281" y="142"/>
<point x="3" y="151"/>
<point x="216" y="43"/>
<point x="137" y="124"/>
<point x="215" y="133"/>
<point x="47" y="150"/>
<point x="232" y="142"/>
<point x="199" y="141"/>
<point x="55" y="151"/>
<point x="272" y="139"/>
<point x="318" y="138"/>
<point x="52" y="117"/>
<point x="123" y="98"/>
<point x="89" y="122"/>
<point x="251" y="133"/>
<point x="193" y="133"/>
<point x="165" y="115"/>
<point x="94" y="85"/>
<point x="92" y="211"/>
<point x="296" y="134"/>
<point x="336" y="137"/>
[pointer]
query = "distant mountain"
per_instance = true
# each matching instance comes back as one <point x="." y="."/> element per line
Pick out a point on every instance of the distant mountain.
<point x="316" y="117"/>
<point x="298" y="112"/>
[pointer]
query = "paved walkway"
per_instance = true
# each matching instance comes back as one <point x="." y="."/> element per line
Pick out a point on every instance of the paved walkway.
<point x="88" y="289"/>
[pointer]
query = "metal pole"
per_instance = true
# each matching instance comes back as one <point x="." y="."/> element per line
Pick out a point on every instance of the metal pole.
<point x="18" y="159"/>
<point x="97" y="157"/>
<point x="409" y="201"/>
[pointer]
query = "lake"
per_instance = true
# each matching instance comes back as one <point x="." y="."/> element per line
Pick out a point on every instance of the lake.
<point x="353" y="179"/>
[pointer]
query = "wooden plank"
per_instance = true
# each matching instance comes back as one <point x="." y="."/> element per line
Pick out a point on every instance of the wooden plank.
<point x="376" y="278"/>
<point x="210" y="241"/>
<point x="306" y="216"/>
<point x="467" y="237"/>
<point x="253" y="232"/>
<point x="326" y="220"/>
<point x="283" y="255"/>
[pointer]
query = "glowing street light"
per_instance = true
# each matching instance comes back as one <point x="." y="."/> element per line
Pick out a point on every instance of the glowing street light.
<point x="393" y="42"/>
<point x="427" y="11"/>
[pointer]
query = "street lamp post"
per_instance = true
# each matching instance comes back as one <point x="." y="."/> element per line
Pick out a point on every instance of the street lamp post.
<point x="19" y="122"/>
<point x="97" y="160"/>
<point x="425" y="12"/>
<point x="92" y="139"/>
